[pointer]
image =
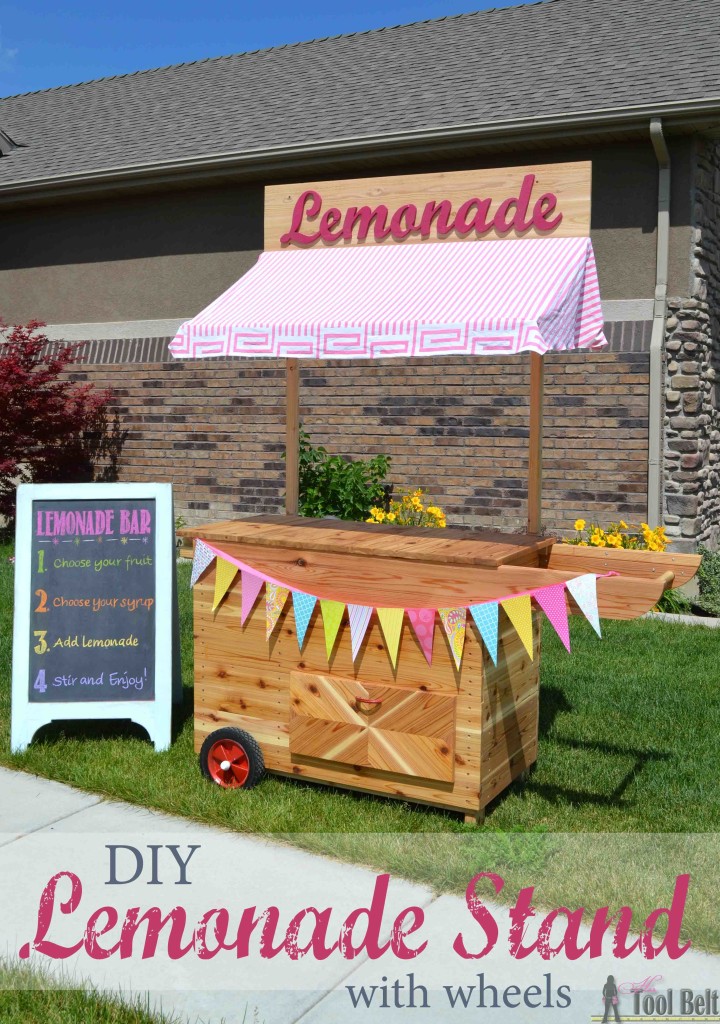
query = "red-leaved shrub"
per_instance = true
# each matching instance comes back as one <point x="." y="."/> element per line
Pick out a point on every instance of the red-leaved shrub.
<point x="51" y="429"/>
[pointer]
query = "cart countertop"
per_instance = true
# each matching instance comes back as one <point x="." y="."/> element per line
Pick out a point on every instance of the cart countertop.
<point x="453" y="546"/>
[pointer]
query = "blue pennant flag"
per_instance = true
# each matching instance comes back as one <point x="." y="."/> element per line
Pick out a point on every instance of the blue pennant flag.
<point x="485" y="617"/>
<point x="303" y="605"/>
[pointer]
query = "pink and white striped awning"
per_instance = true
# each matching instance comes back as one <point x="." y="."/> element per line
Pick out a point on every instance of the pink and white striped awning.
<point x="469" y="298"/>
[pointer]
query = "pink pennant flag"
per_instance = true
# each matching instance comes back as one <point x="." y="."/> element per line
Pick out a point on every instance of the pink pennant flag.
<point x="359" y="621"/>
<point x="553" y="603"/>
<point x="251" y="587"/>
<point x="422" y="621"/>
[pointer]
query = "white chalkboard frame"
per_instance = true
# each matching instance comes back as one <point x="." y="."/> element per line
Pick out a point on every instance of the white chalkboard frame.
<point x="154" y="716"/>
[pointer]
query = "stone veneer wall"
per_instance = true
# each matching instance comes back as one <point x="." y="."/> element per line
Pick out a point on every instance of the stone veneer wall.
<point x="458" y="428"/>
<point x="692" y="361"/>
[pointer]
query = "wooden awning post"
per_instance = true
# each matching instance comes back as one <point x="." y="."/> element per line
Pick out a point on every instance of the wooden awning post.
<point x="292" y="436"/>
<point x="535" y="445"/>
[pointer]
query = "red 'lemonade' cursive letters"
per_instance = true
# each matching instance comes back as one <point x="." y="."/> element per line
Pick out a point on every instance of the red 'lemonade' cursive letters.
<point x="245" y="931"/>
<point x="474" y="217"/>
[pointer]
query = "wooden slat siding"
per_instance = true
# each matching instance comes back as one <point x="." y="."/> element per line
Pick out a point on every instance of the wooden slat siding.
<point x="646" y="564"/>
<point x="484" y="548"/>
<point x="511" y="711"/>
<point x="571" y="182"/>
<point x="391" y="583"/>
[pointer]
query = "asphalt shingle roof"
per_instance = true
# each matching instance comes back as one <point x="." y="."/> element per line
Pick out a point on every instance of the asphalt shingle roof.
<point x="540" y="59"/>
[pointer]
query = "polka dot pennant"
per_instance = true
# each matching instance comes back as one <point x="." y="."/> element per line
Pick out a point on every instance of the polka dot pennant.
<point x="453" y="620"/>
<point x="553" y="603"/>
<point x="485" y="617"/>
<point x="519" y="611"/>
<point x="303" y="606"/>
<point x="584" y="592"/>
<point x="202" y="557"/>
<point x="422" y="621"/>
<point x="251" y="587"/>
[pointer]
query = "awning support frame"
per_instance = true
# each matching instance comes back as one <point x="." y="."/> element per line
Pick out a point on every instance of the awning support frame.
<point x="535" y="447"/>
<point x="292" y="436"/>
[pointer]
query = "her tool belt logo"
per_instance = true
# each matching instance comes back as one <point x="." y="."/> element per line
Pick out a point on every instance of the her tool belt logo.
<point x="646" y="1000"/>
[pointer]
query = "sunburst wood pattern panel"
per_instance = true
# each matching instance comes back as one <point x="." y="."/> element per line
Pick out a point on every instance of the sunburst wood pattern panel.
<point x="391" y="728"/>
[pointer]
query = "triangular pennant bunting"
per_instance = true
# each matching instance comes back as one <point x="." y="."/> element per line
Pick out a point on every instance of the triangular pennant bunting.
<point x="202" y="558"/>
<point x="552" y="600"/>
<point x="485" y="617"/>
<point x="453" y="620"/>
<point x="225" y="573"/>
<point x="275" y="598"/>
<point x="422" y="621"/>
<point x="359" y="621"/>
<point x="519" y="611"/>
<point x="391" y="620"/>
<point x="584" y="591"/>
<point x="303" y="606"/>
<point x="332" y="613"/>
<point x="553" y="603"/>
<point x="251" y="587"/>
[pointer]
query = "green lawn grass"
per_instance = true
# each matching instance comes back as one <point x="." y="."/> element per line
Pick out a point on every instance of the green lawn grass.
<point x="629" y="743"/>
<point x="30" y="997"/>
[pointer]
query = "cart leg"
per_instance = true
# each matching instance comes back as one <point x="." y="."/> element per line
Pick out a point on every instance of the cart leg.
<point x="475" y="819"/>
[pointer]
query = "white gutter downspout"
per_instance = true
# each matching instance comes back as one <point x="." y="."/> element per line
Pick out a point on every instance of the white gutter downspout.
<point x="657" y="383"/>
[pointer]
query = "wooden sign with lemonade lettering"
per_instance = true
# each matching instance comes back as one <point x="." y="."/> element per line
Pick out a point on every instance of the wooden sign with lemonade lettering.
<point x="93" y="606"/>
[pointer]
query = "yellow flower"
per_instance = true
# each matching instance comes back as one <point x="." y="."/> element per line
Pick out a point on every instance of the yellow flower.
<point x="391" y="517"/>
<point x="623" y="525"/>
<point x="379" y="516"/>
<point x="598" y="538"/>
<point x="583" y="544"/>
<point x="579" y="524"/>
<point x="614" y="540"/>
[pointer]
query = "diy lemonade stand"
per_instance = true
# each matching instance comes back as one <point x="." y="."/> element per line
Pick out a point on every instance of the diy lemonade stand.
<point x="403" y="662"/>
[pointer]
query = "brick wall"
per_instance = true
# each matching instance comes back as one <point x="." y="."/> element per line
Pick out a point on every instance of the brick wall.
<point x="215" y="429"/>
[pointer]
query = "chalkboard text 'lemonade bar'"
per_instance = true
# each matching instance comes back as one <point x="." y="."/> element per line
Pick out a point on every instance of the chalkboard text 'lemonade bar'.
<point x="93" y="601"/>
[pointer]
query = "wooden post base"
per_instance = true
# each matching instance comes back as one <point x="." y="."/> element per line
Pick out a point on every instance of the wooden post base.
<point x="475" y="819"/>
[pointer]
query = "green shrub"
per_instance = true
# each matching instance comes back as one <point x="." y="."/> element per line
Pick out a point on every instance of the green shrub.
<point x="332" y="485"/>
<point x="708" y="575"/>
<point x="674" y="602"/>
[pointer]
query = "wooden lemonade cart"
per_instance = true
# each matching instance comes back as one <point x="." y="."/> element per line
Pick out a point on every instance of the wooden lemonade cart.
<point x="403" y="662"/>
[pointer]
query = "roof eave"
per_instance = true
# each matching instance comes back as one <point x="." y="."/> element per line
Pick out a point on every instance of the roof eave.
<point x="701" y="116"/>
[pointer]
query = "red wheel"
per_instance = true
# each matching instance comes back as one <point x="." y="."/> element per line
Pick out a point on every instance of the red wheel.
<point x="231" y="758"/>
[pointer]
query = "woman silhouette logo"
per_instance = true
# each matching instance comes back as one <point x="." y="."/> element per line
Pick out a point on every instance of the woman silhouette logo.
<point x="610" y="998"/>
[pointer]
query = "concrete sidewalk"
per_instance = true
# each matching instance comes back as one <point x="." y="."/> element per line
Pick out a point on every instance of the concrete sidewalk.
<point x="41" y="820"/>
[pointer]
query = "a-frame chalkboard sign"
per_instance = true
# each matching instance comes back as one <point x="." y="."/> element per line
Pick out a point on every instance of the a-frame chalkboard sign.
<point x="94" y="633"/>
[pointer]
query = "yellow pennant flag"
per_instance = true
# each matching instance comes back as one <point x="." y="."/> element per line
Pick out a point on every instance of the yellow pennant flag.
<point x="391" y="621"/>
<point x="225" y="573"/>
<point x="519" y="611"/>
<point x="275" y="598"/>
<point x="453" y="620"/>
<point x="332" y="613"/>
